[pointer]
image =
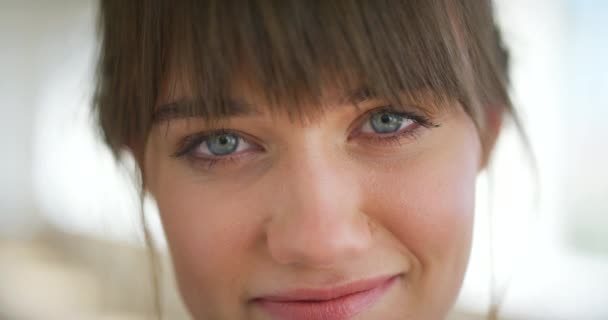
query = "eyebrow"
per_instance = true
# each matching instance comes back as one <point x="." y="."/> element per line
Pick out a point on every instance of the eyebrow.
<point x="234" y="107"/>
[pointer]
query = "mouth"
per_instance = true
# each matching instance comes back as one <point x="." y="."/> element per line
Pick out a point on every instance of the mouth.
<point x="337" y="303"/>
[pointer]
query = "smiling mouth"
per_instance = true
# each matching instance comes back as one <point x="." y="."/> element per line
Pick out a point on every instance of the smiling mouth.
<point x="338" y="303"/>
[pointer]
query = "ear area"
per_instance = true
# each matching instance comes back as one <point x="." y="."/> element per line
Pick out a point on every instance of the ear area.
<point x="493" y="124"/>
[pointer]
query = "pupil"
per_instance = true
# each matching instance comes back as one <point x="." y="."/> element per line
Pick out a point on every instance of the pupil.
<point x="386" y="118"/>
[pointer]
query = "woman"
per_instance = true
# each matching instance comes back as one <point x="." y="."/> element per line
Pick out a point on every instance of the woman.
<point x="309" y="159"/>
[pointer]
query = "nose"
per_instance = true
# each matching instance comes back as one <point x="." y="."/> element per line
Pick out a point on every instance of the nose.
<point x="315" y="221"/>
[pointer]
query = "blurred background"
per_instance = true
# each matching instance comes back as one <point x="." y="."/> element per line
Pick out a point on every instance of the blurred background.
<point x="71" y="245"/>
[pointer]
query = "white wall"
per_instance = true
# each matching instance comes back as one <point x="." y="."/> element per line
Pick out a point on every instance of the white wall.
<point x="29" y="49"/>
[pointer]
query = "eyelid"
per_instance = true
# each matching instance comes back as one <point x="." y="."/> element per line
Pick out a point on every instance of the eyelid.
<point x="190" y="143"/>
<point x="401" y="111"/>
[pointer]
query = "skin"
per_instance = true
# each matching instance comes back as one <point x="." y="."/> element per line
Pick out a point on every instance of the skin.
<point x="317" y="208"/>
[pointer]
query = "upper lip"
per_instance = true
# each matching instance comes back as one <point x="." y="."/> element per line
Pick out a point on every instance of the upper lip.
<point x="329" y="293"/>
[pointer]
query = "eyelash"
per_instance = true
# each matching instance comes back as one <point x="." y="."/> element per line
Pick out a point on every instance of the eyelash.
<point x="190" y="143"/>
<point x="395" y="138"/>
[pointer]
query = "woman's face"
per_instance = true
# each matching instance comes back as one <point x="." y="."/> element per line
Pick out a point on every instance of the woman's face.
<point x="362" y="213"/>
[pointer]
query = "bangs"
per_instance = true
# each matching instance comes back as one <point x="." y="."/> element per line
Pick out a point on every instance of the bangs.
<point x="287" y="53"/>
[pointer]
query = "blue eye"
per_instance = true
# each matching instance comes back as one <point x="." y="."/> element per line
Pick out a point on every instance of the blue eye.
<point x="222" y="144"/>
<point x="386" y="122"/>
<point x="215" y="145"/>
<point x="386" y="126"/>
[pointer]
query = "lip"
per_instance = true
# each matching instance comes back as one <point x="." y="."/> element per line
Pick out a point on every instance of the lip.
<point x="337" y="303"/>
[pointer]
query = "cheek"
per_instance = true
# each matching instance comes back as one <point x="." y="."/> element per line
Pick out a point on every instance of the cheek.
<point x="427" y="202"/>
<point x="209" y="235"/>
<point x="201" y="226"/>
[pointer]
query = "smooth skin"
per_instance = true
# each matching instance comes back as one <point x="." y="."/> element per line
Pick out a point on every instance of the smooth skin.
<point x="315" y="205"/>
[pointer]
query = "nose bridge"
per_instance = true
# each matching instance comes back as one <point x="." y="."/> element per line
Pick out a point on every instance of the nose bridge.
<point x="318" y="222"/>
<point x="316" y="181"/>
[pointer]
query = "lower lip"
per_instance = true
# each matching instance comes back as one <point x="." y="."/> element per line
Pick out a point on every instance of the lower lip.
<point x="341" y="308"/>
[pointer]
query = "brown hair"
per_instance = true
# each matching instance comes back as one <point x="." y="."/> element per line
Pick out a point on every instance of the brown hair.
<point x="288" y="50"/>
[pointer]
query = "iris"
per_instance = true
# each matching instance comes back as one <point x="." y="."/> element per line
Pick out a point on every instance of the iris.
<point x="386" y="122"/>
<point x="222" y="144"/>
